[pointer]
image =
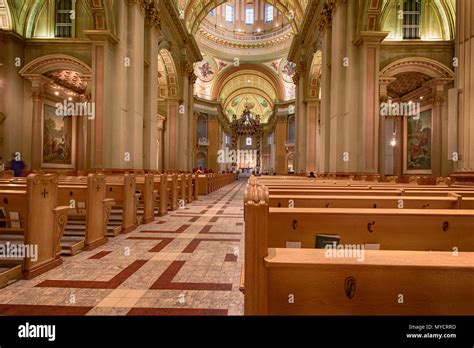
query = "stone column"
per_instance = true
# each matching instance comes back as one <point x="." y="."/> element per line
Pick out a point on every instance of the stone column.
<point x="213" y="137"/>
<point x="37" y="94"/>
<point x="280" y="148"/>
<point x="300" y="120"/>
<point x="464" y="78"/>
<point x="437" y="101"/>
<point x="191" y="122"/>
<point x="159" y="160"/>
<point x="171" y="135"/>
<point x="340" y="153"/>
<point x="102" y="130"/>
<point x="133" y="130"/>
<point x="369" y="43"/>
<point x="311" y="134"/>
<point x="150" y="127"/>
<point x="324" y="26"/>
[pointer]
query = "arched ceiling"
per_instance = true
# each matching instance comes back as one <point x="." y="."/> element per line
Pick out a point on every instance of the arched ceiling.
<point x="167" y="78"/>
<point x="196" y="10"/>
<point x="257" y="103"/>
<point x="248" y="87"/>
<point x="248" y="79"/>
<point x="5" y="16"/>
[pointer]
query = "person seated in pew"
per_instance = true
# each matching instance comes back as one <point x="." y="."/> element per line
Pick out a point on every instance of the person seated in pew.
<point x="311" y="175"/>
<point x="17" y="165"/>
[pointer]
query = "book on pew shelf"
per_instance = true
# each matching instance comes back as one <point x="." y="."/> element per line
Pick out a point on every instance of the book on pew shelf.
<point x="3" y="217"/>
<point x="293" y="245"/>
<point x="324" y="239"/>
<point x="372" y="246"/>
<point x="15" y="219"/>
<point x="81" y="207"/>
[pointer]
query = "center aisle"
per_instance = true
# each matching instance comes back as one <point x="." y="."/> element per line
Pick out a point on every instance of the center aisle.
<point x="185" y="263"/>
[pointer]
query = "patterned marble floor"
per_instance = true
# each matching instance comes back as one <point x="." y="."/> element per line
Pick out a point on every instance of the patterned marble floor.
<point x="185" y="263"/>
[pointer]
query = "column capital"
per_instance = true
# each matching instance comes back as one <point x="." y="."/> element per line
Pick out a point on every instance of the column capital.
<point x="371" y="37"/>
<point x="101" y="36"/>
<point x="152" y="17"/>
<point x="325" y="17"/>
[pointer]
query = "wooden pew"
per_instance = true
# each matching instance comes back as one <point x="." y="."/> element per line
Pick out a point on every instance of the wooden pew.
<point x="145" y="185"/>
<point x="41" y="223"/>
<point x="305" y="281"/>
<point x="182" y="195"/>
<point x="451" y="201"/>
<point x="122" y="189"/>
<point x="189" y="188"/>
<point x="430" y="283"/>
<point x="161" y="184"/>
<point x="88" y="212"/>
<point x="172" y="189"/>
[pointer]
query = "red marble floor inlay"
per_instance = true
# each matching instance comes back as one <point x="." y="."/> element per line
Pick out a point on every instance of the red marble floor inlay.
<point x="181" y="229"/>
<point x="224" y="216"/>
<point x="177" y="312"/>
<point x="161" y="245"/>
<point x="35" y="310"/>
<point x="192" y="246"/>
<point x="207" y="228"/>
<point x="165" y="281"/>
<point x="194" y="219"/>
<point x="161" y="222"/>
<point x="95" y="284"/>
<point x="230" y="258"/>
<point x="99" y="255"/>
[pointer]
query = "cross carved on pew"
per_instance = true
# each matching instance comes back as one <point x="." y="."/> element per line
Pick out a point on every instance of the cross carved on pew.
<point x="44" y="193"/>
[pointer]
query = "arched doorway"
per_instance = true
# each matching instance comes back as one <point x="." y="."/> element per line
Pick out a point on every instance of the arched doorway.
<point x="412" y="131"/>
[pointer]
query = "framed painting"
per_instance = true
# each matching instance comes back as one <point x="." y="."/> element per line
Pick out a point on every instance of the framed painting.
<point x="58" y="146"/>
<point x="418" y="134"/>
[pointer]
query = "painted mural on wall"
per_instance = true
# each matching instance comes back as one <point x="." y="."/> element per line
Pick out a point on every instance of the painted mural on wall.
<point x="206" y="70"/>
<point x="418" y="145"/>
<point x="288" y="69"/>
<point x="57" y="139"/>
